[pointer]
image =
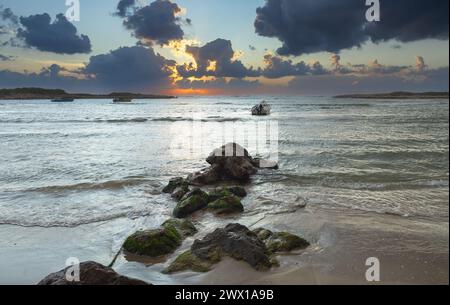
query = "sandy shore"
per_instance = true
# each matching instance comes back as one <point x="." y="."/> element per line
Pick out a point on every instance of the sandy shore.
<point x="408" y="253"/>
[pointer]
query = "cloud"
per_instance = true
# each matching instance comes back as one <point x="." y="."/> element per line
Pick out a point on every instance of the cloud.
<point x="157" y="22"/>
<point x="8" y="21"/>
<point x="309" y="26"/>
<point x="59" y="37"/>
<point x="216" y="58"/>
<point x="130" y="68"/>
<point x="124" y="7"/>
<point x="6" y="57"/>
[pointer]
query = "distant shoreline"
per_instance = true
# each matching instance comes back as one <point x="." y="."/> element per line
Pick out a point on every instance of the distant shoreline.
<point x="50" y="94"/>
<point x="397" y="95"/>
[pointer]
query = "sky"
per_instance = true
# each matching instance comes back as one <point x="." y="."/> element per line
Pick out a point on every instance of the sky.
<point x="218" y="47"/>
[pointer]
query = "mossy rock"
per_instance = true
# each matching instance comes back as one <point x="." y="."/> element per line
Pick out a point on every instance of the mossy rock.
<point x="263" y="234"/>
<point x="174" y="184"/>
<point x="285" y="242"/>
<point x="226" y="192"/>
<point x="191" y="202"/>
<point x="184" y="227"/>
<point x="188" y="261"/>
<point x="226" y="205"/>
<point x="154" y="243"/>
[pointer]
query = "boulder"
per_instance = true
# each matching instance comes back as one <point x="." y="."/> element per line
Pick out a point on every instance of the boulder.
<point x="91" y="273"/>
<point x="154" y="243"/>
<point x="226" y="205"/>
<point x="206" y="176"/>
<point x="190" y="203"/>
<point x="232" y="161"/>
<point x="263" y="163"/>
<point x="236" y="241"/>
<point x="281" y="241"/>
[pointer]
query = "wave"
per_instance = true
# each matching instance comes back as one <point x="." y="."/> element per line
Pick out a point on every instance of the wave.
<point x="108" y="185"/>
<point x="208" y="119"/>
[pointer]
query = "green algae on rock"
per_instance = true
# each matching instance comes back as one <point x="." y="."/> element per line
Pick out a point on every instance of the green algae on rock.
<point x="174" y="184"/>
<point x="281" y="241"/>
<point x="184" y="227"/>
<point x="188" y="261"/>
<point x="226" y="205"/>
<point x="191" y="202"/>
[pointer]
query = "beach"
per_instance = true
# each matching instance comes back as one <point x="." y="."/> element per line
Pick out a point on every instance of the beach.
<point x="357" y="178"/>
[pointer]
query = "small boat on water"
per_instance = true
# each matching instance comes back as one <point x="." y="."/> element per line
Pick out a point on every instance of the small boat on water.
<point x="120" y="100"/>
<point x="62" y="100"/>
<point x="262" y="109"/>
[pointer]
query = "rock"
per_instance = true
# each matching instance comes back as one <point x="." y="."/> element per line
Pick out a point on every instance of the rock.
<point x="155" y="242"/>
<point x="262" y="109"/>
<point x="184" y="227"/>
<point x="188" y="261"/>
<point x="173" y="184"/>
<point x="91" y="273"/>
<point x="281" y="241"/>
<point x="207" y="176"/>
<point x="191" y="202"/>
<point x="179" y="192"/>
<point x="232" y="161"/>
<point x="226" y="205"/>
<point x="236" y="241"/>
<point x="238" y="191"/>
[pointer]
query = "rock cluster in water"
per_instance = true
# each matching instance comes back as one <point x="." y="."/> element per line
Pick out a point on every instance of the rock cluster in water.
<point x="231" y="163"/>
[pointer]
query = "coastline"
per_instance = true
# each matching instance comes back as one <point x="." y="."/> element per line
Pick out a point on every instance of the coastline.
<point x="50" y="94"/>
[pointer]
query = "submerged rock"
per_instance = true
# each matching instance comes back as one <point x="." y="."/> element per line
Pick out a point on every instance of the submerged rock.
<point x="236" y="241"/>
<point x="221" y="192"/>
<point x="91" y="273"/>
<point x="190" y="203"/>
<point x="263" y="163"/>
<point x="281" y="241"/>
<point x="188" y="261"/>
<point x="162" y="241"/>
<point x="226" y="205"/>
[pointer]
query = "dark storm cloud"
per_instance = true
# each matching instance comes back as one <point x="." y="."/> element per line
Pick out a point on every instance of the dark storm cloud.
<point x="308" y="26"/>
<point x="157" y="22"/>
<point x="6" y="14"/>
<point x="58" y="37"/>
<point x="216" y="59"/>
<point x="124" y="7"/>
<point x="130" y="68"/>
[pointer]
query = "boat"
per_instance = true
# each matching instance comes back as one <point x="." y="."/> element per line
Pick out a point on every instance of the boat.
<point x="262" y="109"/>
<point x="120" y="100"/>
<point x="63" y="100"/>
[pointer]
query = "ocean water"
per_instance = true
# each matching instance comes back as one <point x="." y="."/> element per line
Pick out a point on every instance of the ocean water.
<point x="66" y="165"/>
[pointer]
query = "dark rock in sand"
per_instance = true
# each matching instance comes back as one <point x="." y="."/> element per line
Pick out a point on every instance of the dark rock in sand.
<point x="174" y="184"/>
<point x="281" y="241"/>
<point x="190" y="203"/>
<point x="91" y="273"/>
<point x="204" y="177"/>
<point x="236" y="241"/>
<point x="226" y="205"/>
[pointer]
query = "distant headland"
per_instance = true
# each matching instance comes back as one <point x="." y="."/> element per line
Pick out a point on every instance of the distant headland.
<point x="398" y="95"/>
<point x="49" y="94"/>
